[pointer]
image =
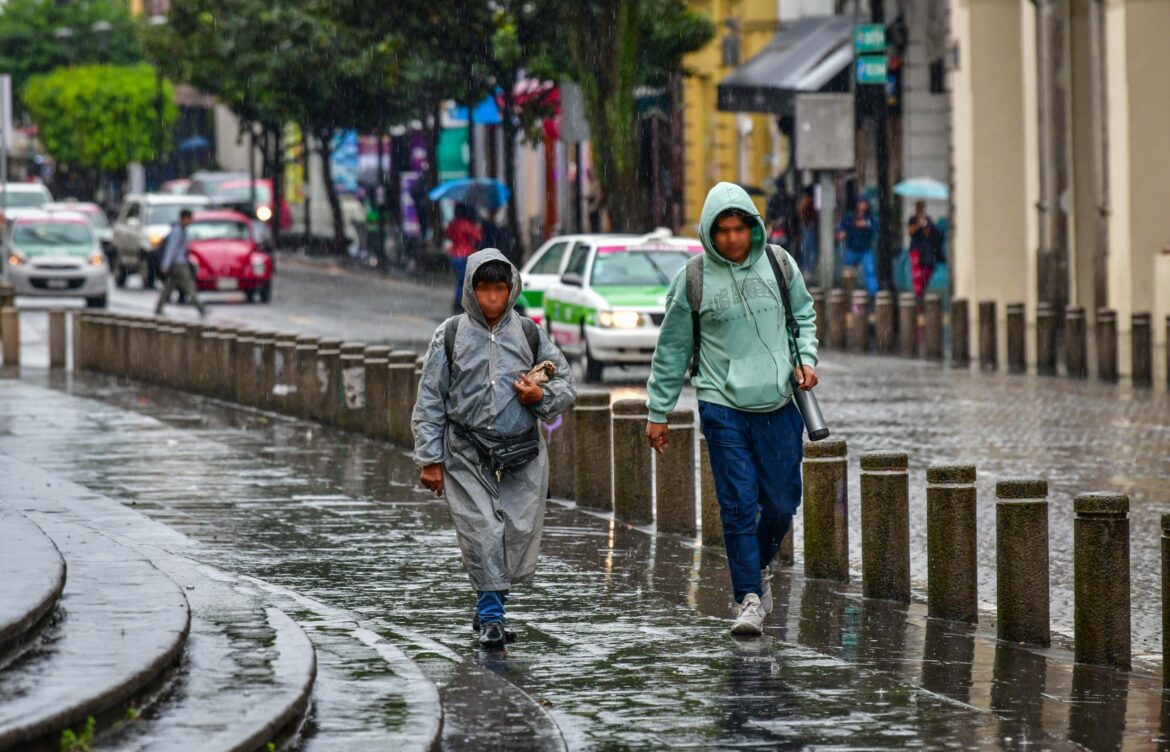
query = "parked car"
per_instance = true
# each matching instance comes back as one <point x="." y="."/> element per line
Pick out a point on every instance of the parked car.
<point x="55" y="254"/>
<point x="225" y="255"/>
<point x="235" y="192"/>
<point x="143" y="222"/>
<point x="611" y="298"/>
<point x="94" y="213"/>
<point x="22" y="197"/>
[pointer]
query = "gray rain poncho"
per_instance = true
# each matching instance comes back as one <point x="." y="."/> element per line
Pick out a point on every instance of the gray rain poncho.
<point x="498" y="523"/>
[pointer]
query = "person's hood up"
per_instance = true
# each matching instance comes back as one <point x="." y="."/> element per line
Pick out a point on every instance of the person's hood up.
<point x="476" y="260"/>
<point x="722" y="197"/>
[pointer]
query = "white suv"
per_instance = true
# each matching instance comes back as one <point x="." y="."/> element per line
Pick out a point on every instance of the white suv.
<point x="143" y="223"/>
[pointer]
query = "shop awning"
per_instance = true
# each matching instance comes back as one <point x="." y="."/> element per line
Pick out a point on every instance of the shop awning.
<point x="810" y="54"/>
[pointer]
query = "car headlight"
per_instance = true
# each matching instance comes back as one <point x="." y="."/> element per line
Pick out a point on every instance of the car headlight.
<point x="97" y="258"/>
<point x="263" y="214"/>
<point x="620" y="319"/>
<point x="155" y="239"/>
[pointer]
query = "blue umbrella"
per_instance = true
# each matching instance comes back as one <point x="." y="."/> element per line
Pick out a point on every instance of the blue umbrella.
<point x="924" y="188"/>
<point x="485" y="193"/>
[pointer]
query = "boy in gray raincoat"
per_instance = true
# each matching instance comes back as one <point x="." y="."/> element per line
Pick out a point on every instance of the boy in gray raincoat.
<point x="477" y="437"/>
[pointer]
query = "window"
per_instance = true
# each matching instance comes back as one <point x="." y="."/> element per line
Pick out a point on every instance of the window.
<point x="45" y="234"/>
<point x="638" y="269"/>
<point x="578" y="259"/>
<point x="550" y="262"/>
<point x="217" y="230"/>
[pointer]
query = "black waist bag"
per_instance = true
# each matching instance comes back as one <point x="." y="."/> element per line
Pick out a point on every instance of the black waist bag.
<point x="501" y="454"/>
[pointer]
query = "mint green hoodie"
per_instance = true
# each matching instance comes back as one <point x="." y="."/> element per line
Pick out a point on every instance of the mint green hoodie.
<point x="745" y="359"/>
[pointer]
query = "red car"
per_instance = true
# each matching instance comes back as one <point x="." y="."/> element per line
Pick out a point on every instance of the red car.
<point x="226" y="256"/>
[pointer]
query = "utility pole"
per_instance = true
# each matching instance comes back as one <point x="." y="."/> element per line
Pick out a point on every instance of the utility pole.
<point x="887" y="240"/>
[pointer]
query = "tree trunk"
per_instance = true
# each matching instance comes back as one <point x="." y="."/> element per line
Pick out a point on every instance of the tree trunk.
<point x="324" y="137"/>
<point x="510" y="134"/>
<point x="380" y="191"/>
<point x="277" y="183"/>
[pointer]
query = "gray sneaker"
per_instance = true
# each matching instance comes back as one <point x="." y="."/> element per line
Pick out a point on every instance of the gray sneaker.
<point x="750" y="621"/>
<point x="766" y="595"/>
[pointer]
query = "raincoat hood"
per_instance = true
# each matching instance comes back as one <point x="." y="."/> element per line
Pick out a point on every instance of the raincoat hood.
<point x="722" y="197"/>
<point x="474" y="262"/>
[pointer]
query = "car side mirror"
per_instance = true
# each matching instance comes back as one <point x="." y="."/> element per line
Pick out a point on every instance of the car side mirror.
<point x="572" y="279"/>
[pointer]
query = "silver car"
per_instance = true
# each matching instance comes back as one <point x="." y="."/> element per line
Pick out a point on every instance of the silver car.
<point x="55" y="254"/>
<point x="143" y="223"/>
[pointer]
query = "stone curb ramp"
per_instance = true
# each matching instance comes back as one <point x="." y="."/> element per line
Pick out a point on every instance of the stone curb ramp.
<point x="32" y="577"/>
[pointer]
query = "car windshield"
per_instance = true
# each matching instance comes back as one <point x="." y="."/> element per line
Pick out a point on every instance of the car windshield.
<point x="24" y="199"/>
<point x="637" y="268"/>
<point x="55" y="234"/>
<point x="236" y="193"/>
<point x="94" y="214"/>
<point x="164" y="214"/>
<point x="223" y="229"/>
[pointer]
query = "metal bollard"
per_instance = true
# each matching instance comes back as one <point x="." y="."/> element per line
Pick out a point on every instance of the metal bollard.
<point x="885" y="526"/>
<point x="57" y="338"/>
<point x="711" y="522"/>
<point x="883" y="313"/>
<point x="826" y="510"/>
<point x="1142" y="355"/>
<point x="960" y="332"/>
<point x="351" y="393"/>
<point x="1076" y="360"/>
<point x="859" y="322"/>
<point x="819" y="299"/>
<point x="377" y="418"/>
<point x="951" y="564"/>
<point x="1101" y="579"/>
<point x="400" y="381"/>
<point x="594" y="450"/>
<point x="1106" y="345"/>
<point x="1017" y="355"/>
<point x="934" y="327"/>
<point x="284" y="371"/>
<point x="561" y="436"/>
<point x="633" y="495"/>
<point x="675" y="476"/>
<point x="1045" y="339"/>
<point x="10" y="324"/>
<point x="908" y="325"/>
<point x="304" y="401"/>
<point x="838" y="314"/>
<point x="988" y="343"/>
<point x="1021" y="561"/>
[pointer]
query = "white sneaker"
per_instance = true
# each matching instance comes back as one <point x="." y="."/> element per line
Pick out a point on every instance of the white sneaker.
<point x="766" y="596"/>
<point x="750" y="621"/>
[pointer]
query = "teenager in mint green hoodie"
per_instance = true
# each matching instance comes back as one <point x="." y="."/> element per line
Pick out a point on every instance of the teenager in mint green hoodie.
<point x="744" y="385"/>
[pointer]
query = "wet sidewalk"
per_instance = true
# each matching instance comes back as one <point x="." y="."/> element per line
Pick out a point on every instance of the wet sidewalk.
<point x="623" y="636"/>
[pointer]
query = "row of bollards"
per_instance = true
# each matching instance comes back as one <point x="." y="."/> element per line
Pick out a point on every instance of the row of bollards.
<point x="10" y="335"/>
<point x="896" y="326"/>
<point x="599" y="456"/>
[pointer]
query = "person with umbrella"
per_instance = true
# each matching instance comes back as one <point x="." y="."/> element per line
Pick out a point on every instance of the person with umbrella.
<point x="465" y="234"/>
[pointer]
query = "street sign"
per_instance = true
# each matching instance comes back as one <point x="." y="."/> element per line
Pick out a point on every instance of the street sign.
<point x="871" y="69"/>
<point x="869" y="38"/>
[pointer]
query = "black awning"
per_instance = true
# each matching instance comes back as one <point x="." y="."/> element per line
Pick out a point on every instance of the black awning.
<point x="807" y="55"/>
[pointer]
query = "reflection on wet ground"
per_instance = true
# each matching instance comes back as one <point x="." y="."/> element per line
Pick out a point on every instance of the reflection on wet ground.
<point x="623" y="638"/>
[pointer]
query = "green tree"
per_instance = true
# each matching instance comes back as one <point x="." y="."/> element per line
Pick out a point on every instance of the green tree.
<point x="37" y="36"/>
<point x="100" y="118"/>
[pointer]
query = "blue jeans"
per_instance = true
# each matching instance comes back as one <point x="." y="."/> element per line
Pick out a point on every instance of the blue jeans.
<point x="755" y="458"/>
<point x="864" y="259"/>
<point x="459" y="266"/>
<point x="490" y="605"/>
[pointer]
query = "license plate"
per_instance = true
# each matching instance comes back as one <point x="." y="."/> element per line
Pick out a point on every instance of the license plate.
<point x="57" y="284"/>
<point x="227" y="284"/>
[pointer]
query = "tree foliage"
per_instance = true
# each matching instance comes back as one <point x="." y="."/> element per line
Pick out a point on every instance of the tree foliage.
<point x="101" y="117"/>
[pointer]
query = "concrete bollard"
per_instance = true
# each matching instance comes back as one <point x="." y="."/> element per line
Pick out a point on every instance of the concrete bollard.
<point x="988" y="342"/>
<point x="849" y="281"/>
<point x="99" y="341"/>
<point x="1101" y="579"/>
<point x="284" y="387"/>
<point x="400" y="381"/>
<point x="960" y="332"/>
<point x="561" y="438"/>
<point x="78" y="349"/>
<point x="1142" y="349"/>
<point x="907" y="325"/>
<point x="675" y="476"/>
<point x="304" y="401"/>
<point x="172" y="336"/>
<point x="819" y="298"/>
<point x="351" y="387"/>
<point x="633" y="495"/>
<point x="151" y="362"/>
<point x="10" y="324"/>
<point x="838" y="315"/>
<point x="1021" y="561"/>
<point x="711" y="523"/>
<point x="225" y="343"/>
<point x="1076" y="360"/>
<point x="1045" y="339"/>
<point x="885" y="526"/>
<point x="883" y="314"/>
<point x="244" y="371"/>
<point x="934" y="327"/>
<point x="1166" y="601"/>
<point x="209" y="377"/>
<point x="266" y="372"/>
<point x="1167" y="349"/>
<point x="377" y="418"/>
<point x="328" y="378"/>
<point x="1106" y="345"/>
<point x="57" y="338"/>
<point x="951" y="565"/>
<point x="859" y="322"/>
<point x="826" y="510"/>
<point x="594" y="450"/>
<point x="1017" y="354"/>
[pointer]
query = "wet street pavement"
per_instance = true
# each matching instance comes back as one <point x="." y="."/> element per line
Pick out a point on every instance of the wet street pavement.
<point x="623" y="636"/>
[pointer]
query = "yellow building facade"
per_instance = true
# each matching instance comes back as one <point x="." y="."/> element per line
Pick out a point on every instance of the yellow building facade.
<point x="740" y="148"/>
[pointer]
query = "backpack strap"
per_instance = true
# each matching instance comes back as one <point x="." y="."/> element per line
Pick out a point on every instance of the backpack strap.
<point x="695" y="301"/>
<point x="531" y="334"/>
<point x="782" y="270"/>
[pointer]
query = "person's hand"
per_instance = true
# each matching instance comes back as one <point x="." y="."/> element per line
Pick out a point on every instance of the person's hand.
<point x="806" y="377"/>
<point x="527" y="392"/>
<point x="432" y="477"/>
<point x="656" y="435"/>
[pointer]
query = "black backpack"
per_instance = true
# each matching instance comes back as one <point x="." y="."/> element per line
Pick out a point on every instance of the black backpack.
<point x="531" y="333"/>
